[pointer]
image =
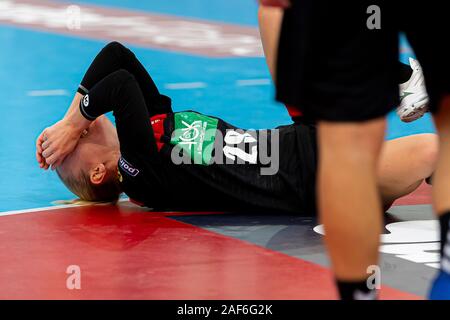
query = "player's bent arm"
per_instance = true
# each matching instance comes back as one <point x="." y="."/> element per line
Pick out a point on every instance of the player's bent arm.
<point x="120" y="92"/>
<point x="75" y="103"/>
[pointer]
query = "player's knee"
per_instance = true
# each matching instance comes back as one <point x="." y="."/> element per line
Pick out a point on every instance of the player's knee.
<point x="126" y="86"/>
<point x="115" y="46"/>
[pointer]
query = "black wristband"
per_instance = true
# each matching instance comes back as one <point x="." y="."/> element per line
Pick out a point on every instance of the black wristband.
<point x="84" y="103"/>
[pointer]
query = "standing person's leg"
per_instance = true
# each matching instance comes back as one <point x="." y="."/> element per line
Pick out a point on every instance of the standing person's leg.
<point x="348" y="83"/>
<point x="269" y="19"/>
<point x="441" y="179"/>
<point x="425" y="38"/>
<point x="349" y="200"/>
<point x="395" y="178"/>
<point x="441" y="199"/>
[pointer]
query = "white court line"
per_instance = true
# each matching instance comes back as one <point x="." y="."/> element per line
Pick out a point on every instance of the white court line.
<point x="63" y="206"/>
<point x="13" y="212"/>
<point x="47" y="93"/>
<point x="185" y="85"/>
<point x="253" y="82"/>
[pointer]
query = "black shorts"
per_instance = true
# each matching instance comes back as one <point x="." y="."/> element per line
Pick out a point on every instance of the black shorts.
<point x="333" y="67"/>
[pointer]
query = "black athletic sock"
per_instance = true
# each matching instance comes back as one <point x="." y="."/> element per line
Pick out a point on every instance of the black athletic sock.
<point x="357" y="290"/>
<point x="445" y="235"/>
<point x="404" y="72"/>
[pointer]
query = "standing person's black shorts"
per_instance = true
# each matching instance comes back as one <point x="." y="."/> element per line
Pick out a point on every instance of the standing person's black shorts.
<point x="333" y="67"/>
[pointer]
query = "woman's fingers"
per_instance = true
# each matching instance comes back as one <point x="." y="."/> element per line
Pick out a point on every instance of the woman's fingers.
<point x="39" y="146"/>
<point x="52" y="159"/>
<point x="39" y="157"/>
<point x="55" y="159"/>
<point x="45" y="166"/>
<point x="55" y="143"/>
<point x="39" y="141"/>
<point x="45" y="144"/>
<point x="41" y="160"/>
<point x="47" y="152"/>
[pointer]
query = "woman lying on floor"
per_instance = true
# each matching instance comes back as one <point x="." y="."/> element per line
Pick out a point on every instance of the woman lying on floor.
<point x="223" y="168"/>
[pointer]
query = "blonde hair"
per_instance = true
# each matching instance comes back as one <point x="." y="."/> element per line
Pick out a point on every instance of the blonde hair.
<point x="81" y="185"/>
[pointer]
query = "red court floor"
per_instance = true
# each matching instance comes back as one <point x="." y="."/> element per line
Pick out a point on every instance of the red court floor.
<point x="126" y="253"/>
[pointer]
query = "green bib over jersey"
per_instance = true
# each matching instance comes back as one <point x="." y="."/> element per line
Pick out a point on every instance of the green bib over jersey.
<point x="195" y="134"/>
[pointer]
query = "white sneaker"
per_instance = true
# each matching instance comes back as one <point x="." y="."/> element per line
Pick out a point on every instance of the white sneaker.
<point x="413" y="95"/>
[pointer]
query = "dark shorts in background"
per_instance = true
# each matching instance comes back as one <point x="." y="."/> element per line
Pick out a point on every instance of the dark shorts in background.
<point x="333" y="67"/>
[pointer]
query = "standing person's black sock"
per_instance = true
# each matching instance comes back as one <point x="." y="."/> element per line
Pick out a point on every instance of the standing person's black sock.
<point x="356" y="290"/>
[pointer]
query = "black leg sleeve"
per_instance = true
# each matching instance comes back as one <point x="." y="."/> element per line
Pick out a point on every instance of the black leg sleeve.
<point x="120" y="92"/>
<point x="114" y="57"/>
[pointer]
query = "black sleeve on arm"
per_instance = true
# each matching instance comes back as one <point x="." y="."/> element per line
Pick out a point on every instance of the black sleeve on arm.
<point x="113" y="57"/>
<point x="119" y="92"/>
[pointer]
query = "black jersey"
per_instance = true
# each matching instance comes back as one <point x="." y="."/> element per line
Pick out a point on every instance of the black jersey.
<point x="189" y="161"/>
<point x="204" y="163"/>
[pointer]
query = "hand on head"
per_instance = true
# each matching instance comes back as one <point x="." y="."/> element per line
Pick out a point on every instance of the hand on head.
<point x="56" y="142"/>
